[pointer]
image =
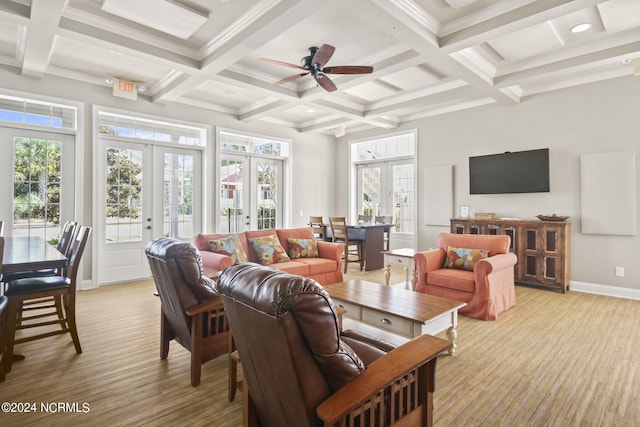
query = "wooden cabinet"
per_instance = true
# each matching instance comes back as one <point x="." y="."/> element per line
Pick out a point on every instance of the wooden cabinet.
<point x="542" y="248"/>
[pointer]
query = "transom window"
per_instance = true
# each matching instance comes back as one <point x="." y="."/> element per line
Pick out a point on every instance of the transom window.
<point x="150" y="130"/>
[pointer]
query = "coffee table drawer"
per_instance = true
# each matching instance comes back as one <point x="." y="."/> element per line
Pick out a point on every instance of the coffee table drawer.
<point x="399" y="260"/>
<point x="353" y="311"/>
<point x="388" y="322"/>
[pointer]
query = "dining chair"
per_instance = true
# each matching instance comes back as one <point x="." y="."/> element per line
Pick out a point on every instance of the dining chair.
<point x="364" y="219"/>
<point x="1" y="228"/>
<point x="3" y="317"/>
<point x="20" y="290"/>
<point x="67" y="234"/>
<point x="3" y="331"/>
<point x="317" y="225"/>
<point x="352" y="247"/>
<point x="386" y="219"/>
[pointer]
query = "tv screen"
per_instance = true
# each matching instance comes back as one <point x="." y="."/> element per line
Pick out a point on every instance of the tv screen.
<point x="510" y="172"/>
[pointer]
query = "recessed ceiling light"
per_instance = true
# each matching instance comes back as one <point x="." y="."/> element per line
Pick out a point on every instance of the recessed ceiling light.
<point x="580" y="28"/>
<point x="310" y="110"/>
<point x="142" y="88"/>
<point x="108" y="81"/>
<point x="626" y="61"/>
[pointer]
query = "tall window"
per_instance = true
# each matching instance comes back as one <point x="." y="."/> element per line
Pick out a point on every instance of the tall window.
<point x="386" y="179"/>
<point x="36" y="186"/>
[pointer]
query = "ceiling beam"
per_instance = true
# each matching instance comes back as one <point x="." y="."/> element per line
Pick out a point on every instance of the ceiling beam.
<point x="45" y="15"/>
<point x="282" y="14"/>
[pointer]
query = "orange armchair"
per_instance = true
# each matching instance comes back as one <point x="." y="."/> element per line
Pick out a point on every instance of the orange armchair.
<point x="488" y="290"/>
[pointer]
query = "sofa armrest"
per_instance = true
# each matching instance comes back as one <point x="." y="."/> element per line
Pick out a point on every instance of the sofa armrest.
<point x="497" y="267"/>
<point x="426" y="261"/>
<point x="413" y="362"/>
<point x="330" y="250"/>
<point x="212" y="261"/>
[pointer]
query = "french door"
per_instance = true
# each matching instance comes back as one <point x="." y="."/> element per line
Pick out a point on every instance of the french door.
<point x="38" y="172"/>
<point x="250" y="196"/>
<point x="387" y="188"/>
<point x="146" y="191"/>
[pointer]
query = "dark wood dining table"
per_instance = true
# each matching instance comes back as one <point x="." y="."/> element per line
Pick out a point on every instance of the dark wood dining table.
<point x="29" y="253"/>
<point x="373" y="235"/>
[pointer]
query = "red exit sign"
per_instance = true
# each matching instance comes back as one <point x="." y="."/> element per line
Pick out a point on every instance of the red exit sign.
<point x="125" y="89"/>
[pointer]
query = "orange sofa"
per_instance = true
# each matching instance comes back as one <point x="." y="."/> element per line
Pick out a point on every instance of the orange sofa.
<point x="488" y="290"/>
<point x="325" y="269"/>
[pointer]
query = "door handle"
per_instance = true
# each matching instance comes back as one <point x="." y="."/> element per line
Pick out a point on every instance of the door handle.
<point x="148" y="227"/>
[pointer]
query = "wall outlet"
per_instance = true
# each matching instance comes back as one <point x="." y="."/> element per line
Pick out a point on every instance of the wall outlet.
<point x="620" y="271"/>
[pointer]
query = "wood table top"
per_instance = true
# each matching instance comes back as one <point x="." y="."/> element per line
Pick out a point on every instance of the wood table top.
<point x="28" y="253"/>
<point x="415" y="306"/>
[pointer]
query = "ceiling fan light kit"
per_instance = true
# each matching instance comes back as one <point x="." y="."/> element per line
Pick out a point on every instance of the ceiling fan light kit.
<point x="314" y="65"/>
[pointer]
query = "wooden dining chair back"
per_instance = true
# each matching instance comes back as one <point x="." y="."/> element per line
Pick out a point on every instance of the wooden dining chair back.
<point x="63" y="287"/>
<point x="353" y="248"/>
<point x="1" y="228"/>
<point x="386" y="219"/>
<point x="317" y="225"/>
<point x="192" y="313"/>
<point x="364" y="219"/>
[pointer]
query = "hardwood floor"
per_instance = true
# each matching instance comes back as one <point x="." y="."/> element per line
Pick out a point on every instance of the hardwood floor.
<point x="553" y="359"/>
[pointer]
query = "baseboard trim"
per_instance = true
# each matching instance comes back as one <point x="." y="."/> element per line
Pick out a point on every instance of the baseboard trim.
<point x="610" y="291"/>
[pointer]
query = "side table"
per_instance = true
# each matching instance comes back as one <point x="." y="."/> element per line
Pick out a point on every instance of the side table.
<point x="402" y="257"/>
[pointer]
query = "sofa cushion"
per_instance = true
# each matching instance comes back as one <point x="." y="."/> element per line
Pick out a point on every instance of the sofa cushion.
<point x="268" y="249"/>
<point x="450" y="278"/>
<point x="302" y="248"/>
<point x="320" y="265"/>
<point x="292" y="267"/>
<point x="464" y="258"/>
<point x="231" y="246"/>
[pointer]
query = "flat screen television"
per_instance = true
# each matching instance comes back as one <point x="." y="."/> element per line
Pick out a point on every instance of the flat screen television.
<point x="510" y="172"/>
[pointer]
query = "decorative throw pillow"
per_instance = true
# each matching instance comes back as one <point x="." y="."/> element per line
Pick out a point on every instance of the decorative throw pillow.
<point x="464" y="258"/>
<point x="231" y="246"/>
<point x="268" y="249"/>
<point x="302" y="248"/>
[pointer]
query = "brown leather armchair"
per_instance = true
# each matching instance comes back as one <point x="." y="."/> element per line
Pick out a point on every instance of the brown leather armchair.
<point x="192" y="312"/>
<point x="300" y="369"/>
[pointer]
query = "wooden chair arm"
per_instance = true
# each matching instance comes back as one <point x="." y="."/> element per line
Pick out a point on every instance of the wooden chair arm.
<point x="356" y="395"/>
<point x="204" y="307"/>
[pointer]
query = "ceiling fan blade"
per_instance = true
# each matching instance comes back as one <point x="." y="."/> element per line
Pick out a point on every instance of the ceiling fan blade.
<point x="348" y="69"/>
<point x="325" y="82"/>
<point x="290" y="78"/>
<point x="323" y="55"/>
<point x="284" y="64"/>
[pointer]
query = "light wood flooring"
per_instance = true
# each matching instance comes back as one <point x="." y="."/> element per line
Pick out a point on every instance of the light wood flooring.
<point x="552" y="360"/>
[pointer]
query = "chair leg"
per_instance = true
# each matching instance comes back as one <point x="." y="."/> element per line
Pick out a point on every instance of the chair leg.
<point x="70" y="309"/>
<point x="361" y="256"/>
<point x="346" y="259"/>
<point x="165" y="336"/>
<point x="12" y="318"/>
<point x="233" y="377"/>
<point x="196" y="349"/>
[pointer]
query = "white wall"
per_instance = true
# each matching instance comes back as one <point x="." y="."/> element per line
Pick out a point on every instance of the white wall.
<point x="602" y="117"/>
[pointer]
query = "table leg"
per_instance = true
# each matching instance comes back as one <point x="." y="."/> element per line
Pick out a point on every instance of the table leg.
<point x="406" y="278"/>
<point x="452" y="334"/>
<point x="387" y="274"/>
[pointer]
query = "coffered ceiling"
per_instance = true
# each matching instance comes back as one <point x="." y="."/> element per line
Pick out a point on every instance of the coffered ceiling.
<point x="430" y="57"/>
